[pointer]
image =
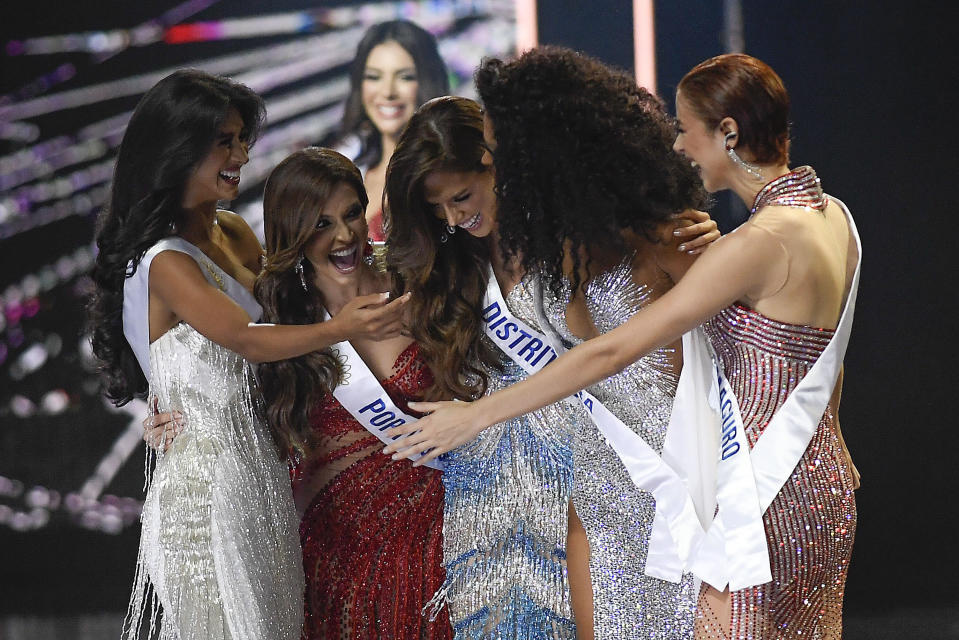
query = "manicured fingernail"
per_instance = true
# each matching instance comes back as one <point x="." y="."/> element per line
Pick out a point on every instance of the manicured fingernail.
<point x="395" y="456"/>
<point x="681" y="247"/>
<point x="385" y="295"/>
<point x="677" y="232"/>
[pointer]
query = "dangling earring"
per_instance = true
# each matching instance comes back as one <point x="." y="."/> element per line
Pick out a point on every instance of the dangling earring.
<point x="368" y="254"/>
<point x="299" y="271"/>
<point x="446" y="233"/>
<point x="754" y="172"/>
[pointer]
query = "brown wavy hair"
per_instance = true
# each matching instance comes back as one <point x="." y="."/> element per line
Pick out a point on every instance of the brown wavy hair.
<point x="295" y="194"/>
<point x="447" y="273"/>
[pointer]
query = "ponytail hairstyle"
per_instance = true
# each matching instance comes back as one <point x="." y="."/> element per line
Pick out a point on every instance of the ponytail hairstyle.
<point x="171" y="132"/>
<point x="295" y="194"/>
<point x="448" y="277"/>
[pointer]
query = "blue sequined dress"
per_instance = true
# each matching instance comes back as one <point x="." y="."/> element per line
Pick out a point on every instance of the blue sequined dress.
<point x="617" y="515"/>
<point x="505" y="518"/>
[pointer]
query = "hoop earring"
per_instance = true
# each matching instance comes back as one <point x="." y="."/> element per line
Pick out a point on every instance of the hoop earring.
<point x="450" y="230"/>
<point x="299" y="271"/>
<point x="754" y="171"/>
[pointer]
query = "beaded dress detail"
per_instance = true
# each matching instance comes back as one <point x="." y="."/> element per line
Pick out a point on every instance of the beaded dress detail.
<point x="798" y="188"/>
<point x="811" y="523"/>
<point x="373" y="533"/>
<point x="617" y="515"/>
<point x="505" y="517"/>
<point x="218" y="545"/>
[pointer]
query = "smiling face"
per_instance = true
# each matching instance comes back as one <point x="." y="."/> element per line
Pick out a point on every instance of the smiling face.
<point x="705" y="148"/>
<point x="217" y="177"/>
<point x="389" y="87"/>
<point x="463" y="199"/>
<point x="336" y="247"/>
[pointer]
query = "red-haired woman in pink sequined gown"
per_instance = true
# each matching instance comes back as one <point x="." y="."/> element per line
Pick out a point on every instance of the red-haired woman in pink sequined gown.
<point x="776" y="298"/>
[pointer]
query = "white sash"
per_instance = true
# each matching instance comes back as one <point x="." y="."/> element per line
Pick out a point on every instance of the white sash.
<point x="136" y="294"/>
<point x="364" y="397"/>
<point x="734" y="550"/>
<point x="532" y="350"/>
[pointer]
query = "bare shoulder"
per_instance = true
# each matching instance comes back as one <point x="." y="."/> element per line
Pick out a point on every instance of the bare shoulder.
<point x="171" y="269"/>
<point x="235" y="226"/>
<point x="778" y="219"/>
<point x="242" y="239"/>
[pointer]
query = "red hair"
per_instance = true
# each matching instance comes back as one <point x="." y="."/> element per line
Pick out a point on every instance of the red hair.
<point x="746" y="89"/>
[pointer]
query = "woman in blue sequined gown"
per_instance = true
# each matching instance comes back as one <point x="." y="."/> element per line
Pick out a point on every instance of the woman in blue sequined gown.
<point x="462" y="199"/>
<point x="506" y="493"/>
<point x="774" y="296"/>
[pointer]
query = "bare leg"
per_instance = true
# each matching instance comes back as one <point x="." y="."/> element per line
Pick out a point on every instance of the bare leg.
<point x="580" y="585"/>
<point x="713" y="615"/>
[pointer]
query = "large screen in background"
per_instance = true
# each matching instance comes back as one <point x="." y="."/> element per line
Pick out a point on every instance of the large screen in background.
<point x="71" y="78"/>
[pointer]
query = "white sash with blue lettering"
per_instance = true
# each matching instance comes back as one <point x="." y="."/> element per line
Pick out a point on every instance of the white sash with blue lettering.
<point x="364" y="397"/>
<point x="532" y="351"/>
<point x="734" y="550"/>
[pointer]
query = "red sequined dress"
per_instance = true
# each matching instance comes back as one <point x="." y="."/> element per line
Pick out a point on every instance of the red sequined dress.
<point x="373" y="534"/>
<point x="811" y="523"/>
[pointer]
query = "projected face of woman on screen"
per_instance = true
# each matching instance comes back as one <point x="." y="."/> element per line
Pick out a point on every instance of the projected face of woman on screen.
<point x="389" y="88"/>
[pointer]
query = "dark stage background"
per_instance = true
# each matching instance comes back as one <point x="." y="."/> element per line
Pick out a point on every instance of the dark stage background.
<point x="873" y="99"/>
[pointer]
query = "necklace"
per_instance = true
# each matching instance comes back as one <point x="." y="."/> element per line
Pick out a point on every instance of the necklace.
<point x="798" y="188"/>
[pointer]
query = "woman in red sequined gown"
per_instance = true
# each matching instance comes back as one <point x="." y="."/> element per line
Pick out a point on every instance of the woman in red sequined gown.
<point x="371" y="527"/>
<point x="770" y="295"/>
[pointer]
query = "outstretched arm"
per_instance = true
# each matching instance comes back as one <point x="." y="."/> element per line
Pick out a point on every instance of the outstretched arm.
<point x="178" y="283"/>
<point x="737" y="266"/>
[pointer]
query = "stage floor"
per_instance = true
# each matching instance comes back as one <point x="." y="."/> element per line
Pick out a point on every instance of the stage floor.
<point x="922" y="624"/>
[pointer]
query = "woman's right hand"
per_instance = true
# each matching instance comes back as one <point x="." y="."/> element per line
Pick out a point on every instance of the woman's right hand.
<point x="371" y="317"/>
<point x="159" y="429"/>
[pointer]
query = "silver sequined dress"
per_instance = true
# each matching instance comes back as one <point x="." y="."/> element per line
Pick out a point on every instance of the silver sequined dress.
<point x="505" y="518"/>
<point x="219" y="544"/>
<point x="617" y="515"/>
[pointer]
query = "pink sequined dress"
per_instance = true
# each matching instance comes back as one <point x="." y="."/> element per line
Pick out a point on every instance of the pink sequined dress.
<point x="373" y="534"/>
<point x="811" y="523"/>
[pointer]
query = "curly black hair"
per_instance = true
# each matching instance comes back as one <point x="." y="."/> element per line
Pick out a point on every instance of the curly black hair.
<point x="581" y="155"/>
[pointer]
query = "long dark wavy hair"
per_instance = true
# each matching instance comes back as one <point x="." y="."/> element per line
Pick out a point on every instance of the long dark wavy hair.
<point x="448" y="278"/>
<point x="431" y="74"/>
<point x="170" y="133"/>
<point x="295" y="194"/>
<point x="582" y="154"/>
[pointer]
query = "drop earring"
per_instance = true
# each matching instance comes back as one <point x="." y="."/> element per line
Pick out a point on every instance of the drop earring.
<point x="754" y="172"/>
<point x="299" y="271"/>
<point x="368" y="254"/>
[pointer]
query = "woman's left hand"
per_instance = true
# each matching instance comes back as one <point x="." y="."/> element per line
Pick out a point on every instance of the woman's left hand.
<point x="696" y="231"/>
<point x="448" y="425"/>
